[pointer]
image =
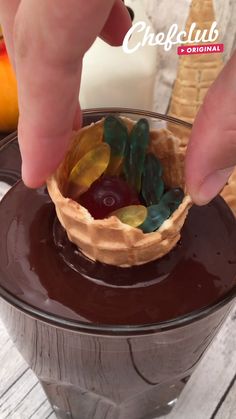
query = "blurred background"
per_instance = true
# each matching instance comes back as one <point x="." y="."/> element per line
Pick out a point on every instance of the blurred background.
<point x="160" y="66"/>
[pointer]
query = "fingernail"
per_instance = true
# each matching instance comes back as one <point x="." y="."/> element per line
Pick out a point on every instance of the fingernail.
<point x="212" y="185"/>
<point x="26" y="178"/>
<point x="29" y="178"/>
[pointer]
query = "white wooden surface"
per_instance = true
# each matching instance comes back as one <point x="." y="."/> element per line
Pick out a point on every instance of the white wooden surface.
<point x="209" y="394"/>
<point x="211" y="391"/>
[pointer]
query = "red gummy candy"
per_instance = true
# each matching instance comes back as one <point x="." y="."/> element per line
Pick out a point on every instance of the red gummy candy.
<point x="106" y="195"/>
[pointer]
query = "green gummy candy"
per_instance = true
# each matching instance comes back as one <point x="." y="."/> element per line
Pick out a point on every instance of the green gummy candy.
<point x="157" y="214"/>
<point x="116" y="135"/>
<point x="173" y="198"/>
<point x="152" y="183"/>
<point x="136" y="153"/>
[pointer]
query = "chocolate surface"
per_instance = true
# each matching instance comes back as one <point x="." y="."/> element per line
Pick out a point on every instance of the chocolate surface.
<point x="41" y="267"/>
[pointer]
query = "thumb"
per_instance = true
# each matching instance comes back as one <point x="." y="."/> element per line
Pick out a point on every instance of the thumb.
<point x="211" y="153"/>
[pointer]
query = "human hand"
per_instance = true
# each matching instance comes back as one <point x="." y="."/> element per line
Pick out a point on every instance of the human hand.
<point x="211" y="154"/>
<point x="46" y="41"/>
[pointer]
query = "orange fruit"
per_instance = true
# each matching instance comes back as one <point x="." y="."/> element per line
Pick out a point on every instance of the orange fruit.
<point x="8" y="93"/>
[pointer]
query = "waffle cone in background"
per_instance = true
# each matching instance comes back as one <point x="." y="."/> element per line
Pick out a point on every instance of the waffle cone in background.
<point x="109" y="240"/>
<point x="195" y="73"/>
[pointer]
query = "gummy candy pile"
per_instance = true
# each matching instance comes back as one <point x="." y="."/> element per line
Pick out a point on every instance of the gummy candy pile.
<point x="115" y="174"/>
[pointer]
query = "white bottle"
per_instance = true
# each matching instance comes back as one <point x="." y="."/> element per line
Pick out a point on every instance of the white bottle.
<point x="113" y="78"/>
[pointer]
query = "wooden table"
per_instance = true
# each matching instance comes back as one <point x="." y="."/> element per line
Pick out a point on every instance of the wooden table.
<point x="209" y="394"/>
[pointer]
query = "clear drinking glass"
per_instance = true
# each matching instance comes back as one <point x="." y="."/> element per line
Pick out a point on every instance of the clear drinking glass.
<point x="96" y="371"/>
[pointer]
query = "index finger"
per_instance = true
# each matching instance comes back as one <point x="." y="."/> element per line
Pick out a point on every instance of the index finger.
<point x="50" y="41"/>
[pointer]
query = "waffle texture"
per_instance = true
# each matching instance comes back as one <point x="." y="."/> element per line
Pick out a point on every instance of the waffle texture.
<point x="109" y="240"/>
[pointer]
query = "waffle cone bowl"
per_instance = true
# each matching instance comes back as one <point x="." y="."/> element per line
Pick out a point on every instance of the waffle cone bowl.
<point x="109" y="240"/>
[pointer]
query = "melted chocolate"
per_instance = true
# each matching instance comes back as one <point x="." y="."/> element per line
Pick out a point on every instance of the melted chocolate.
<point x="41" y="267"/>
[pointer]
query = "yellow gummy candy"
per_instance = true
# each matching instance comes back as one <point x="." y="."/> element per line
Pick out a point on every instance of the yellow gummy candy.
<point x="88" y="169"/>
<point x="133" y="215"/>
<point x="86" y="141"/>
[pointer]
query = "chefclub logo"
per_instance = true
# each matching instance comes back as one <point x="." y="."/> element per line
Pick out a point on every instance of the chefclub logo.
<point x="185" y="40"/>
